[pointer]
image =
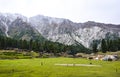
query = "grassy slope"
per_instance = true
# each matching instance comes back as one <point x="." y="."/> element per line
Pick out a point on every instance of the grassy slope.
<point x="33" y="68"/>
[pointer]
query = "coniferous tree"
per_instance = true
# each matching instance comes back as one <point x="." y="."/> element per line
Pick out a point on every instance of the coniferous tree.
<point x="30" y="44"/>
<point x="118" y="44"/>
<point x="94" y="47"/>
<point x="103" y="46"/>
<point x="108" y="44"/>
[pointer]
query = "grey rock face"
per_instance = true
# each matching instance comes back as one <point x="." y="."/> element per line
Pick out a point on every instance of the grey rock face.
<point x="68" y="32"/>
<point x="56" y="29"/>
<point x="17" y="26"/>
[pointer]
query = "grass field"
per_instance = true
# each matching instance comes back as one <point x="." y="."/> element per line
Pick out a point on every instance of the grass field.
<point x="45" y="67"/>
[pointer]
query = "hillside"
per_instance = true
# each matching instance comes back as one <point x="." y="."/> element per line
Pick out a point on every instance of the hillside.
<point x="56" y="29"/>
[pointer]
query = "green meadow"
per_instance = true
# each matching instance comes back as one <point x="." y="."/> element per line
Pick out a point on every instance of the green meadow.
<point x="45" y="67"/>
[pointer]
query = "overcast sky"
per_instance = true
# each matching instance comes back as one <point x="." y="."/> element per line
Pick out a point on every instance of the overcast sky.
<point x="107" y="11"/>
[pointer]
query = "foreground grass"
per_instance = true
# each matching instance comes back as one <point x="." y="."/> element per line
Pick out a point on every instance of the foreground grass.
<point x="45" y="68"/>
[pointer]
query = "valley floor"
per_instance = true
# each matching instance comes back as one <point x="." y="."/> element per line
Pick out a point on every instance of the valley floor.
<point x="45" y="67"/>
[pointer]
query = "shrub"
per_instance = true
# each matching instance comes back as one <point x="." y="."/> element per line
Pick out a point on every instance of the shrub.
<point x="45" y="55"/>
<point x="34" y="54"/>
<point x="109" y="59"/>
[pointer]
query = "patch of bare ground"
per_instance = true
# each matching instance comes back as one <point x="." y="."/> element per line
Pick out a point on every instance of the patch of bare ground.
<point x="89" y="65"/>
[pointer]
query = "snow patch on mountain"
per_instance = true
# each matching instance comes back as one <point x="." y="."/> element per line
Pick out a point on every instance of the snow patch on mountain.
<point x="62" y="30"/>
<point x="68" y="32"/>
<point x="6" y="28"/>
<point x="13" y="17"/>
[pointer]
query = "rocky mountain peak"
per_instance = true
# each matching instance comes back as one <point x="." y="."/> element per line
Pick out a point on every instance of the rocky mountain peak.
<point x="57" y="29"/>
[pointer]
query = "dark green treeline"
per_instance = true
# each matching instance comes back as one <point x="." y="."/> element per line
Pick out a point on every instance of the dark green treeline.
<point x="106" y="45"/>
<point x="40" y="46"/>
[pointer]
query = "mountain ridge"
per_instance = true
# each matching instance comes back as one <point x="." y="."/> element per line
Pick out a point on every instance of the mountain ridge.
<point x="57" y="29"/>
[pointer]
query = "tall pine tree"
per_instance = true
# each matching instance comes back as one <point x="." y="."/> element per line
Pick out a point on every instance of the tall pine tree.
<point x="103" y="46"/>
<point x="94" y="47"/>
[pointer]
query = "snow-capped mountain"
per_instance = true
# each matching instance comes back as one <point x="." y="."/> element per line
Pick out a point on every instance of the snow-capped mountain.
<point x="17" y="26"/>
<point x="68" y="32"/>
<point x="56" y="29"/>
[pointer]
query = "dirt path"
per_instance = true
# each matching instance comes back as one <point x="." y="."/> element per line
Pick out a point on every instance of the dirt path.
<point x="78" y="65"/>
